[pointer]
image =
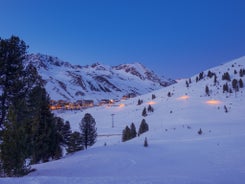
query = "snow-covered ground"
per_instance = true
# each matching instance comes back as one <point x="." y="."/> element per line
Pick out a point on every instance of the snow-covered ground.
<point x="176" y="152"/>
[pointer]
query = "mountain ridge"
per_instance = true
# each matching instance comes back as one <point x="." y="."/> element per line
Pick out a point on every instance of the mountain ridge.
<point x="64" y="81"/>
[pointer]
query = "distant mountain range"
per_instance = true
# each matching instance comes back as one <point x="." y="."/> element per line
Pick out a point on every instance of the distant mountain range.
<point x="64" y="81"/>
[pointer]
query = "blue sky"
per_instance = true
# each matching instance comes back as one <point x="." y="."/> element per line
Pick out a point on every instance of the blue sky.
<point x="175" y="38"/>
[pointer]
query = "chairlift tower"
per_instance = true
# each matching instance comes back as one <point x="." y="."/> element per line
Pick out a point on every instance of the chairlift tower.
<point x="112" y="120"/>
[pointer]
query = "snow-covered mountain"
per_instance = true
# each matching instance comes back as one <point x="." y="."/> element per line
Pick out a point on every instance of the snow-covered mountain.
<point x="65" y="81"/>
<point x="177" y="153"/>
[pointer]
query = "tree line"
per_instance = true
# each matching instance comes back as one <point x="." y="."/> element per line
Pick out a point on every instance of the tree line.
<point x="130" y="132"/>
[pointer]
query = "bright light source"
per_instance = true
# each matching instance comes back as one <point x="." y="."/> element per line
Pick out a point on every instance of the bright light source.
<point x="184" y="97"/>
<point x="121" y="105"/>
<point x="213" y="102"/>
<point x="151" y="103"/>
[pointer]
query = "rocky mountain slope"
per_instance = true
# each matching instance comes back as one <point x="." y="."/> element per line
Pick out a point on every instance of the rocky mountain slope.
<point x="65" y="81"/>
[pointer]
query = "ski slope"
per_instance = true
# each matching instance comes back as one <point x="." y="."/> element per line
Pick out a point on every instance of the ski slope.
<point x="176" y="154"/>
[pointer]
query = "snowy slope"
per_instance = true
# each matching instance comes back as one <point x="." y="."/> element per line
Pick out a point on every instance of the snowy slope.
<point x="176" y="153"/>
<point x="95" y="82"/>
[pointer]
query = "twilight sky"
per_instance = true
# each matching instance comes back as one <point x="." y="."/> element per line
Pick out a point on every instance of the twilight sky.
<point x="174" y="38"/>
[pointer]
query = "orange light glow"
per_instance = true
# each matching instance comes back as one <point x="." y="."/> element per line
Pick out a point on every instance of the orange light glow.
<point x="184" y="97"/>
<point x="121" y="105"/>
<point x="151" y="103"/>
<point x="53" y="107"/>
<point x="213" y="102"/>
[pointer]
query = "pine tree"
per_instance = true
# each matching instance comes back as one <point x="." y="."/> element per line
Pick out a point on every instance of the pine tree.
<point x="89" y="132"/>
<point x="14" y="123"/>
<point x="66" y="132"/>
<point x="46" y="136"/>
<point x="145" y="142"/>
<point x="235" y="84"/>
<point x="226" y="76"/>
<point x="242" y="72"/>
<point x="225" y="88"/>
<point x="133" y="132"/>
<point x="144" y="113"/>
<point x="12" y="54"/>
<point x="143" y="127"/>
<point x="210" y="74"/>
<point x="207" y="90"/>
<point x="241" y="83"/>
<point x="200" y="131"/>
<point x="225" y="108"/>
<point x="74" y="143"/>
<point x="13" y="146"/>
<point x="215" y="79"/>
<point x="153" y="96"/>
<point x="126" y="134"/>
<point x="140" y="101"/>
<point x="201" y="75"/>
<point x="28" y="129"/>
<point x="197" y="79"/>
<point x="150" y="108"/>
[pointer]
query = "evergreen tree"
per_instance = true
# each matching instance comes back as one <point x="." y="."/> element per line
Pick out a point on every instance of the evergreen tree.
<point x="143" y="127"/>
<point x="150" y="108"/>
<point x="235" y="84"/>
<point x="28" y="129"/>
<point x="225" y="108"/>
<point x="210" y="74"/>
<point x="140" y="102"/>
<point x="12" y="54"/>
<point x="201" y="75"/>
<point x="225" y="88"/>
<point x="46" y="137"/>
<point x="197" y="79"/>
<point x="153" y="96"/>
<point x="13" y="146"/>
<point x="241" y="83"/>
<point x="207" y="90"/>
<point x="75" y="143"/>
<point x="144" y="113"/>
<point x="200" y="131"/>
<point x="242" y="72"/>
<point x="89" y="132"/>
<point x="215" y="79"/>
<point x="60" y="125"/>
<point x="126" y="134"/>
<point x="133" y="132"/>
<point x="14" y="124"/>
<point x="66" y="132"/>
<point x="226" y="76"/>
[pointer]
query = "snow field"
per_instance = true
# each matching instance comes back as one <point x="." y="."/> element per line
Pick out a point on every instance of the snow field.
<point x="177" y="154"/>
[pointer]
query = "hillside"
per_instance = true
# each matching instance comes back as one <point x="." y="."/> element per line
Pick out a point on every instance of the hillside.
<point x="64" y="81"/>
<point x="176" y="153"/>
